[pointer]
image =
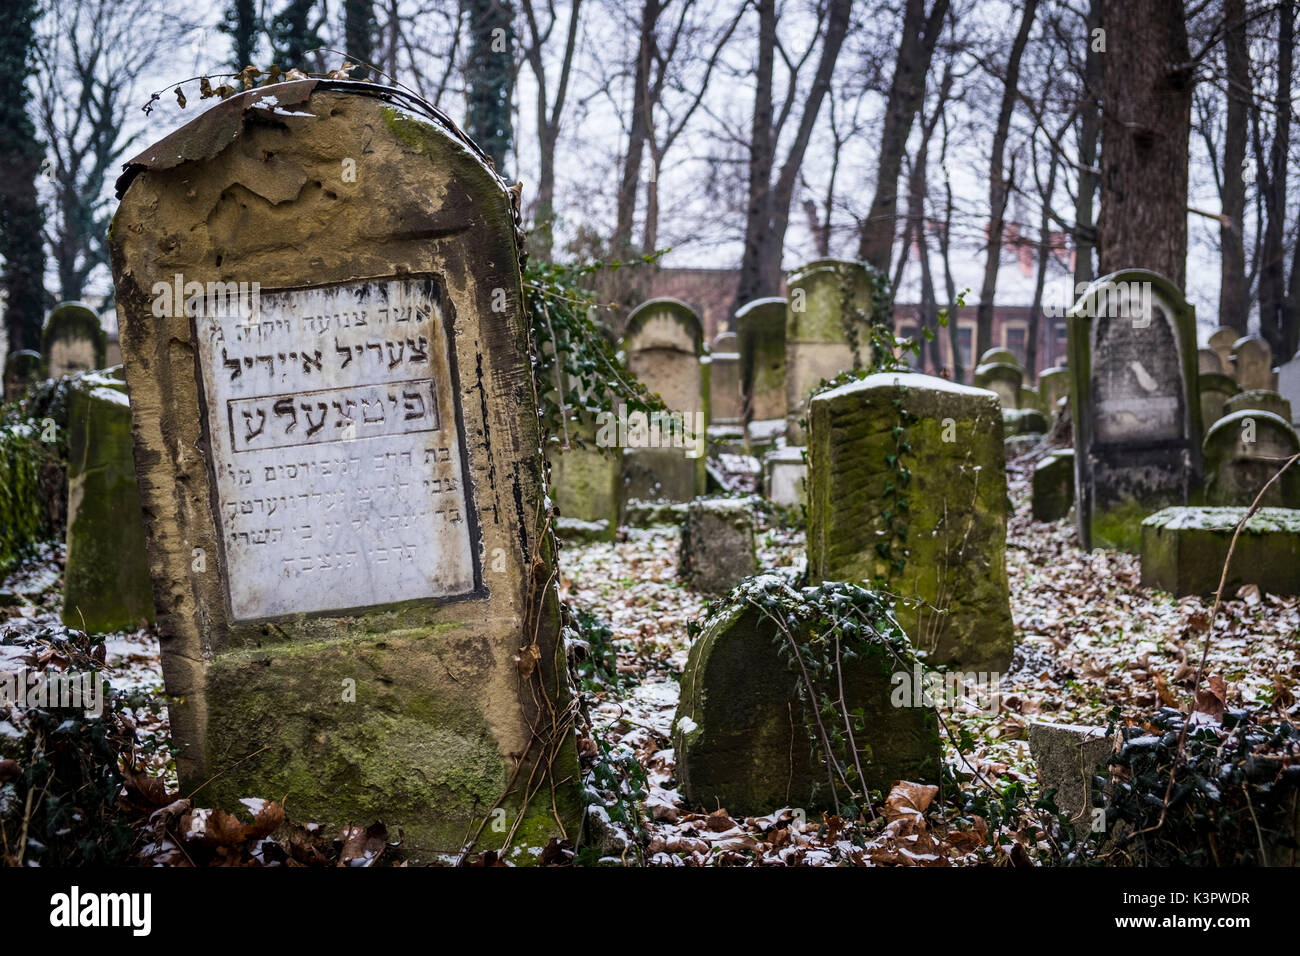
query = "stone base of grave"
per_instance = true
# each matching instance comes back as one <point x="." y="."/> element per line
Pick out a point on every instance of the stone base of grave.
<point x="584" y="532"/>
<point x="717" y="548"/>
<point x="647" y="514"/>
<point x="785" y="474"/>
<point x="662" y="474"/>
<point x="739" y="731"/>
<point x="1053" y="486"/>
<point x="1183" y="550"/>
<point x="106" y="581"/>
<point x="1023" y="421"/>
<point x="1068" y="757"/>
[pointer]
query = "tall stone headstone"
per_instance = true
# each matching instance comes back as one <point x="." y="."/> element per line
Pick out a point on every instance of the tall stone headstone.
<point x="106" y="584"/>
<point x="587" y="486"/>
<point x="73" y="340"/>
<point x="1288" y="386"/>
<point x="724" y="380"/>
<point x="663" y="342"/>
<point x="1243" y="450"/>
<point x="1133" y="401"/>
<point x="826" y="331"/>
<point x="1053" y="384"/>
<point x="1252" y="363"/>
<point x="760" y="334"/>
<point x="340" y="472"/>
<point x="1207" y="361"/>
<point x="22" y="368"/>
<point x="1004" y="378"/>
<point x="926" y="522"/>
<point x="1215" y="392"/>
<point x="1220" y="342"/>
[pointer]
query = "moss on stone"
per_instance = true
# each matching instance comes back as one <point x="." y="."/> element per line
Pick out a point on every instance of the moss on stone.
<point x="1184" y="550"/>
<point x="21" y="514"/>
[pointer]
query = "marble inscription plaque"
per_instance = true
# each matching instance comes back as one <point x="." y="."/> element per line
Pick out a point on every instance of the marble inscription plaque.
<point x="1137" y="379"/>
<point x="336" y="449"/>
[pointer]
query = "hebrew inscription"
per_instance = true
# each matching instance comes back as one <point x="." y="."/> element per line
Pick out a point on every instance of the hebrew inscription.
<point x="337" y="451"/>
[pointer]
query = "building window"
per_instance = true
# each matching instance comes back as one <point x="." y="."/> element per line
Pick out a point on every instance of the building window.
<point x="1016" y="342"/>
<point x="1060" y="344"/>
<point x="965" y="337"/>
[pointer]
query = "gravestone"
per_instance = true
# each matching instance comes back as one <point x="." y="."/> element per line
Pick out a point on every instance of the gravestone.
<point x="1053" y="384"/>
<point x="1003" y="378"/>
<point x="1252" y="363"/>
<point x="587" y="486"/>
<point x="1242" y="451"/>
<point x="928" y="522"/>
<point x="999" y="356"/>
<point x="1215" y="392"/>
<point x="1184" y="549"/>
<point x="785" y="474"/>
<point x="1261" y="399"/>
<point x="1028" y="397"/>
<point x="717" y="546"/>
<point x="1137" y="418"/>
<point x="760" y="334"/>
<point x="665" y="461"/>
<point x="106" y="584"/>
<point x="1221" y="341"/>
<point x="1288" y="386"/>
<point x="1023" y="421"/>
<point x="1052" y="488"/>
<point x="22" y="368"/>
<point x="741" y="732"/>
<point x="73" y="340"/>
<point x="1207" y="361"/>
<point x="1068" y="757"/>
<point x="724" y="380"/>
<point x="340" y="472"/>
<point x="829" y="304"/>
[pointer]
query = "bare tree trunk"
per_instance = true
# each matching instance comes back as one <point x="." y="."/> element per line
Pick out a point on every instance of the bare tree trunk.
<point x="1145" y="128"/>
<point x="1085" y="230"/>
<point x="1234" y="293"/>
<point x="638" y="131"/>
<point x="945" y="253"/>
<point x="998" y="186"/>
<point x="1274" y="318"/>
<point x="1044" y="254"/>
<point x="906" y="96"/>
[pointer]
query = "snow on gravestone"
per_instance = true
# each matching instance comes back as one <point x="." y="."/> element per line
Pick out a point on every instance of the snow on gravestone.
<point x="340" y="471"/>
<point x="1137" y="434"/>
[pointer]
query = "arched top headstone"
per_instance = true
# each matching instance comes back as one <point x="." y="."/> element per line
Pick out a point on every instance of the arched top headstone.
<point x="73" y="340"/>
<point x="726" y="343"/>
<point x="1252" y="363"/>
<point x="664" y="324"/>
<point x="1208" y="362"/>
<point x="999" y="356"/>
<point x="819" y="294"/>
<point x="1220" y="341"/>
<point x="755" y="306"/>
<point x="1260" y="399"/>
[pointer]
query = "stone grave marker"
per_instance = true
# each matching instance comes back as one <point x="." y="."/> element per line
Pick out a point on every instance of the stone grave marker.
<point x="1215" y="393"/>
<point x="1288" y="386"/>
<point x="827" y="331"/>
<point x="1053" y="384"/>
<point x="724" y="380"/>
<point x="785" y="473"/>
<point x="1052" y="488"/>
<point x="22" y="368"/>
<point x="1220" y="342"/>
<point x="1003" y="378"/>
<point x="1183" y="550"/>
<point x="587" y="485"/>
<point x="1242" y="451"/>
<point x="106" y="585"/>
<point x="1262" y="399"/>
<point x="928" y="522"/>
<point x="663" y="456"/>
<point x="73" y="340"/>
<point x="1208" y="363"/>
<point x="1137" y="420"/>
<point x="760" y="335"/>
<point x="1252" y="363"/>
<point x="340" y="469"/>
<point x="717" y="546"/>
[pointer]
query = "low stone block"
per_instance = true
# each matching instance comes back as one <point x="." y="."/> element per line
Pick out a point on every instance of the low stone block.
<point x="717" y="547"/>
<point x="1183" y="550"/>
<point x="661" y="474"/>
<point x="1068" y="757"/>
<point x="785" y="474"/>
<point x="1053" y="486"/>
<point x="1023" y="421"/>
<point x="742" y="734"/>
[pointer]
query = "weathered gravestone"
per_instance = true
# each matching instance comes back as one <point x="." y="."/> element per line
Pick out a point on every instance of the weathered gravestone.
<point x="1207" y="362"/>
<point x="743" y="736"/>
<point x="106" y="584"/>
<point x="22" y="368"/>
<point x="827" y="331"/>
<point x="760" y="333"/>
<point x="1242" y="451"/>
<point x="587" y="486"/>
<point x="1288" y="386"/>
<point x="907" y="490"/>
<point x="1260" y="399"/>
<point x="1028" y="398"/>
<point x="785" y="474"/>
<point x="717" y="547"/>
<point x="1004" y="378"/>
<point x="1184" y="550"/>
<point x="664" y="456"/>
<point x="724" y="380"/>
<point x="1137" y="420"/>
<point x="999" y="356"/>
<point x="73" y="340"/>
<point x="1052" y="488"/>
<point x="1220" y="342"/>
<point x="340" y="474"/>
<point x="1053" y="384"/>
<point x="1252" y="363"/>
<point x="1215" y="392"/>
<point x="1068" y="757"/>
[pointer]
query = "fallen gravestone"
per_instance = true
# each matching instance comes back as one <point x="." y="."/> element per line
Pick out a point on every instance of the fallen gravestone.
<point x="1136" y="415"/>
<point x="907" y="492"/>
<point x="1242" y="451"/>
<point x="1052" y="488"/>
<point x="745" y="734"/>
<point x="73" y="340"/>
<point x="827" y="332"/>
<point x="760" y="333"/>
<point x="340" y="470"/>
<point x="717" y="546"/>
<point x="106" y="585"/>
<point x="1183" y="550"/>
